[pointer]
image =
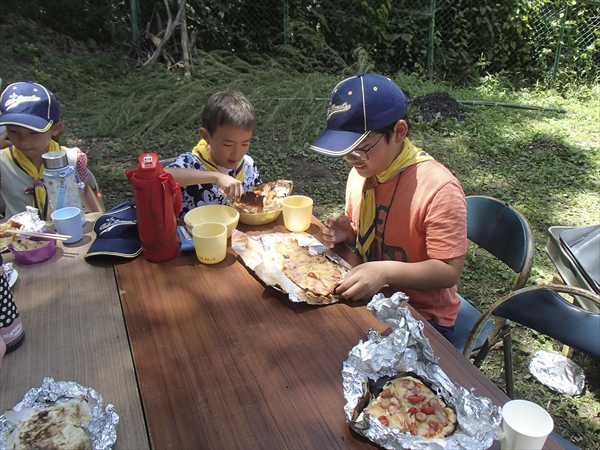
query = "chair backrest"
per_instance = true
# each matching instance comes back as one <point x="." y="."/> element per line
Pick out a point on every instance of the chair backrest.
<point x="504" y="232"/>
<point x="544" y="310"/>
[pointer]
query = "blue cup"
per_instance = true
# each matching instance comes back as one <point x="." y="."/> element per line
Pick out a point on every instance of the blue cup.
<point x="67" y="221"/>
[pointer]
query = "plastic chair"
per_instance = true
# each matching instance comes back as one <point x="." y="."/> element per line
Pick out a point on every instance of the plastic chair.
<point x="541" y="308"/>
<point x="505" y="233"/>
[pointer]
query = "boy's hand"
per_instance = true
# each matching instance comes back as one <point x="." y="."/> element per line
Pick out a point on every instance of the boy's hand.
<point x="337" y="229"/>
<point x="230" y="186"/>
<point x="362" y="282"/>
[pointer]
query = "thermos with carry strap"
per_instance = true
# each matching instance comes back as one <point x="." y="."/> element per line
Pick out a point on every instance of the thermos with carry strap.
<point x="61" y="182"/>
<point x="158" y="201"/>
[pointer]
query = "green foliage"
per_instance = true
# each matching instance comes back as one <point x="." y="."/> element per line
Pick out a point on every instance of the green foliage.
<point x="102" y="21"/>
<point x="551" y="42"/>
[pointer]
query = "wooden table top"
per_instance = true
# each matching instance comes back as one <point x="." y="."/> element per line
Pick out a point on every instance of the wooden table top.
<point x="224" y="362"/>
<point x="74" y="331"/>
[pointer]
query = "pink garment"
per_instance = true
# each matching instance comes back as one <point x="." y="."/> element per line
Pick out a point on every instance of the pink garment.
<point x="421" y="215"/>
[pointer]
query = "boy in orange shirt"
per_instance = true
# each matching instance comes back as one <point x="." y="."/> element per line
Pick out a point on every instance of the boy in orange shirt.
<point x="405" y="212"/>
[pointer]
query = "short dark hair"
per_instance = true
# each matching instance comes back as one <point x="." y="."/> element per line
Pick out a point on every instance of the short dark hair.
<point x="388" y="130"/>
<point x="228" y="108"/>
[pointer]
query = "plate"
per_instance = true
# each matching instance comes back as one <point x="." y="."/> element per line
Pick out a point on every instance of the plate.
<point x="12" y="277"/>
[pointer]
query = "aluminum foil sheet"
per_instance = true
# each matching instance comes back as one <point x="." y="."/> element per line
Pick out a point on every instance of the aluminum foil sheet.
<point x="29" y="219"/>
<point x="407" y="349"/>
<point x="557" y="372"/>
<point x="102" y="429"/>
<point x="255" y="252"/>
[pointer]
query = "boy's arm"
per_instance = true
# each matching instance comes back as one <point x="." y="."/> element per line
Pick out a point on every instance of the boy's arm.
<point x="367" y="279"/>
<point x="89" y="200"/>
<point x="189" y="177"/>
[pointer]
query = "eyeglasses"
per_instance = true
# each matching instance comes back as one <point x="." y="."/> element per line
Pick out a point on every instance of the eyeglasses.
<point x="362" y="155"/>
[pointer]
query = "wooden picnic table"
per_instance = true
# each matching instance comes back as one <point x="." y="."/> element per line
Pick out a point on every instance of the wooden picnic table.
<point x="224" y="361"/>
<point x="74" y="331"/>
<point x="198" y="356"/>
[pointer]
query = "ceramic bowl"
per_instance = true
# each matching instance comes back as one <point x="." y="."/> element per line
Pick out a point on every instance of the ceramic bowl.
<point x="224" y="214"/>
<point x="36" y="255"/>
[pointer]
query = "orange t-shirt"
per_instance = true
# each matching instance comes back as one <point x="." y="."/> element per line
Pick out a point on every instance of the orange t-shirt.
<point x="421" y="214"/>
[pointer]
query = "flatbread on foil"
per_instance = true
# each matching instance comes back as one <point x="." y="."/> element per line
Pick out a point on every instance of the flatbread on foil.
<point x="51" y="427"/>
<point x="263" y="197"/>
<point x="294" y="263"/>
<point x="59" y="415"/>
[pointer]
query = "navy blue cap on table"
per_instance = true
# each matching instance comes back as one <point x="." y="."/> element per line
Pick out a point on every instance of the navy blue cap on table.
<point x="357" y="106"/>
<point x="29" y="105"/>
<point x="117" y="233"/>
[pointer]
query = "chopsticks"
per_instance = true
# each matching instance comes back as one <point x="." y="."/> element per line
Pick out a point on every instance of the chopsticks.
<point x="58" y="237"/>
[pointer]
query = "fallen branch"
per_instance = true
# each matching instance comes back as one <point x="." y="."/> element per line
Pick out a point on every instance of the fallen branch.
<point x="171" y="25"/>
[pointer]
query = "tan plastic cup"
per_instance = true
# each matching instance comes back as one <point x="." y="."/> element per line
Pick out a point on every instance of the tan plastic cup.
<point x="524" y="425"/>
<point x="297" y="212"/>
<point x="210" y="241"/>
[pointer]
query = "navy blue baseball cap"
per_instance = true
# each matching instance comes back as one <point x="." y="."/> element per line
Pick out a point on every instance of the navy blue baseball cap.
<point x="29" y="105"/>
<point x="117" y="233"/>
<point x="357" y="106"/>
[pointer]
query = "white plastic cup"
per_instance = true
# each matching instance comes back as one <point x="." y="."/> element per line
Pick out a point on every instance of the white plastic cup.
<point x="297" y="212"/>
<point x="210" y="241"/>
<point x="67" y="221"/>
<point x="525" y="425"/>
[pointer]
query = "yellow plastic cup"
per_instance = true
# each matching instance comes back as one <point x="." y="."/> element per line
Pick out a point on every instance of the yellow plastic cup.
<point x="297" y="212"/>
<point x="210" y="241"/>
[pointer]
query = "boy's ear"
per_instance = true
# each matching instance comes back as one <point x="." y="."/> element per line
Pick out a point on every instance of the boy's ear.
<point x="204" y="134"/>
<point x="400" y="130"/>
<point x="56" y="127"/>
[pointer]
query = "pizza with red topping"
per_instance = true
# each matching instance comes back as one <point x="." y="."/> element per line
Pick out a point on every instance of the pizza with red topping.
<point x="313" y="272"/>
<point x="407" y="404"/>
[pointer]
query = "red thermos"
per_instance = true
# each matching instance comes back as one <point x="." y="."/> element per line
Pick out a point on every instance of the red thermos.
<point x="157" y="202"/>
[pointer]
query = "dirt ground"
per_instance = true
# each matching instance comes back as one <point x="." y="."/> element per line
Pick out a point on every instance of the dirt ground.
<point x="440" y="106"/>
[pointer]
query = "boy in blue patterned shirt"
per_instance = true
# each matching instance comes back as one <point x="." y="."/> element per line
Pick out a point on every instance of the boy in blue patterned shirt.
<point x="218" y="166"/>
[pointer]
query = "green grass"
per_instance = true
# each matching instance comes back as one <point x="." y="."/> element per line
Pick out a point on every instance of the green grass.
<point x="547" y="164"/>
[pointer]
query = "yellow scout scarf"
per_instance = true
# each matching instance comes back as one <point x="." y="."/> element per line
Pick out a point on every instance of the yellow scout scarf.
<point x="409" y="155"/>
<point x="203" y="154"/>
<point x="40" y="196"/>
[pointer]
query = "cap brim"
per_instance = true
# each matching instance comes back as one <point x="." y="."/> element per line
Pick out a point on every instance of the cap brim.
<point x="337" y="143"/>
<point x="125" y="248"/>
<point x="28" y="121"/>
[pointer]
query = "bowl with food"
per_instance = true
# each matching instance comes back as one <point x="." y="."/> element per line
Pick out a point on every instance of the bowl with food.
<point x="224" y="214"/>
<point x="32" y="250"/>
<point x="261" y="204"/>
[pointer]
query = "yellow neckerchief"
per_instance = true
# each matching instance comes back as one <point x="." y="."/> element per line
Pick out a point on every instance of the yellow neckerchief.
<point x="202" y="152"/>
<point x="409" y="155"/>
<point x="40" y="196"/>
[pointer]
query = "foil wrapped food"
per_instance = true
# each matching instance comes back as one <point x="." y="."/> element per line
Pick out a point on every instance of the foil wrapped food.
<point x="257" y="254"/>
<point x="102" y="429"/>
<point x="406" y="349"/>
<point x="557" y="372"/>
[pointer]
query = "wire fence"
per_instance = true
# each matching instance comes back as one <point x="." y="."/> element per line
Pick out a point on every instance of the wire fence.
<point x="458" y="39"/>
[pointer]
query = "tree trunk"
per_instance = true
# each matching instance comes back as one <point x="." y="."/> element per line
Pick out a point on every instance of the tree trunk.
<point x="185" y="50"/>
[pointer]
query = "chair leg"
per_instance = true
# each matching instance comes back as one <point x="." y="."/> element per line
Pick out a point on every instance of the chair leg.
<point x="508" y="365"/>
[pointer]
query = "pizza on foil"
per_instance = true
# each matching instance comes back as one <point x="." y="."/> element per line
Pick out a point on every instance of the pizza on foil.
<point x="291" y="265"/>
<point x="407" y="404"/>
